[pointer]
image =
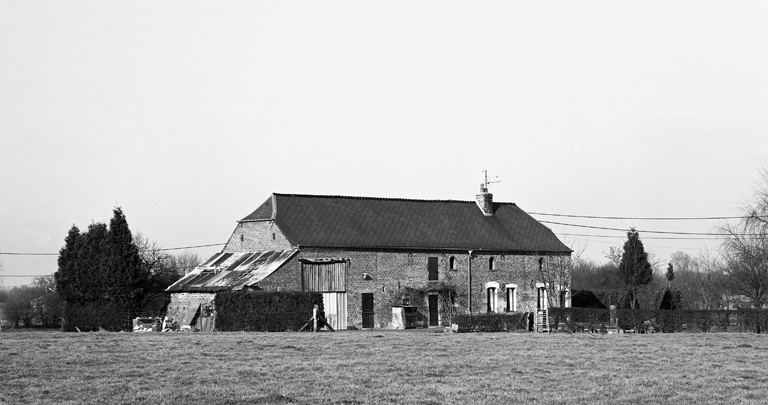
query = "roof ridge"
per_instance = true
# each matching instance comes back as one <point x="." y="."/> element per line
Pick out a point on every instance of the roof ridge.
<point x="380" y="198"/>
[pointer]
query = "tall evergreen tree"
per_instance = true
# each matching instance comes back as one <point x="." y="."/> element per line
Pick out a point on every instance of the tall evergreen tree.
<point x="100" y="275"/>
<point x="126" y="277"/>
<point x="634" y="269"/>
<point x="67" y="277"/>
<point x="670" y="275"/>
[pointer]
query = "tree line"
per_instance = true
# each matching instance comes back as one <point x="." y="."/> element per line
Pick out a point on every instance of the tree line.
<point x="105" y="266"/>
<point x="734" y="277"/>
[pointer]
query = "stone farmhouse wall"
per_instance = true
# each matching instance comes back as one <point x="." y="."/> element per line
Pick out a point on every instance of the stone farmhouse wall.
<point x="257" y="236"/>
<point x="181" y="301"/>
<point x="388" y="276"/>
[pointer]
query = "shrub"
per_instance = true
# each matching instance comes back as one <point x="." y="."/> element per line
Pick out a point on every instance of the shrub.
<point x="742" y="320"/>
<point x="265" y="311"/>
<point x="491" y="322"/>
<point x="93" y="315"/>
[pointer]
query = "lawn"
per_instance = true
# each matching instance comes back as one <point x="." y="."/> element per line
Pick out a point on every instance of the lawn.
<point x="382" y="367"/>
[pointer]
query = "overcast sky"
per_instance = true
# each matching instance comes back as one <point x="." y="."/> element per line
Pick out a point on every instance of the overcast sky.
<point x="189" y="114"/>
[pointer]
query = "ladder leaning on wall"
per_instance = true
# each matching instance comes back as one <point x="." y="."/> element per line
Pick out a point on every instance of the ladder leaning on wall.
<point x="542" y="321"/>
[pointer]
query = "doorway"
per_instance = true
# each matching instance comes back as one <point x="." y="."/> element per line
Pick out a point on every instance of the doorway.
<point x="368" y="312"/>
<point x="434" y="312"/>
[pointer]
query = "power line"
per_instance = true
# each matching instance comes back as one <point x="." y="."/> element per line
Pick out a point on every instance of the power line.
<point x="28" y="254"/>
<point x="643" y="218"/>
<point x="193" y="247"/>
<point x="647" y="231"/>
<point x="644" y="237"/>
<point x="56" y="254"/>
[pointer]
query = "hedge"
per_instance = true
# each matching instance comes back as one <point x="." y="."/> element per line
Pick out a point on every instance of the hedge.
<point x="492" y="322"/>
<point x="94" y="315"/>
<point x="580" y="319"/>
<point x="265" y="311"/>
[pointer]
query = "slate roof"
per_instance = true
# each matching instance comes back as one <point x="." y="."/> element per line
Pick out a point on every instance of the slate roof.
<point x="387" y="223"/>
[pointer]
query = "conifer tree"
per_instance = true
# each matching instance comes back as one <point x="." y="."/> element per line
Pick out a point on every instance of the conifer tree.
<point x="634" y="269"/>
<point x="123" y="262"/>
<point x="101" y="270"/>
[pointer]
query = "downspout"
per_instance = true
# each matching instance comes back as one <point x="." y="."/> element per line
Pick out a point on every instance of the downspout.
<point x="469" y="284"/>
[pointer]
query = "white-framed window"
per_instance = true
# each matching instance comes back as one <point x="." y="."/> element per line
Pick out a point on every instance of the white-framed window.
<point x="491" y="289"/>
<point x="511" y="297"/>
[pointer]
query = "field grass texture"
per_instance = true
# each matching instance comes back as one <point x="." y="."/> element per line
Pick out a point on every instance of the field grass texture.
<point x="351" y="367"/>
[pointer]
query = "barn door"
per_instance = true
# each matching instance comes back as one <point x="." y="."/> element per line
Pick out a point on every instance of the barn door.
<point x="434" y="312"/>
<point x="367" y="310"/>
<point x="335" y="305"/>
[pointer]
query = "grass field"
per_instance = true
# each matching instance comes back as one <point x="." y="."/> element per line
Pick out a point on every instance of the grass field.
<point x="382" y="367"/>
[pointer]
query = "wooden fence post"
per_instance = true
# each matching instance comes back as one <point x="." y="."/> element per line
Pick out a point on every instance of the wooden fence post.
<point x="314" y="317"/>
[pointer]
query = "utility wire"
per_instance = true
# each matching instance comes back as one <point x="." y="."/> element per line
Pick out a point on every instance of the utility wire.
<point x="644" y="237"/>
<point x="56" y="254"/>
<point x="644" y="218"/>
<point x="647" y="231"/>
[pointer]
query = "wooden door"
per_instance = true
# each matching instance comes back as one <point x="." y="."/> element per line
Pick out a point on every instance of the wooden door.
<point x="434" y="311"/>
<point x="368" y="312"/>
<point x="335" y="305"/>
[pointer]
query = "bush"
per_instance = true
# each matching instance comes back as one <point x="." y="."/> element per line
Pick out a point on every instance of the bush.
<point x="743" y="320"/>
<point x="93" y="315"/>
<point x="492" y="322"/>
<point x="578" y="319"/>
<point x="265" y="311"/>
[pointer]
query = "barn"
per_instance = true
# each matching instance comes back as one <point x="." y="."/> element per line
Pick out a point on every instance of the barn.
<point x="375" y="257"/>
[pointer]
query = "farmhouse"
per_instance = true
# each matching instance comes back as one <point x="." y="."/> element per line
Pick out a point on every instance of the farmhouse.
<point x="371" y="257"/>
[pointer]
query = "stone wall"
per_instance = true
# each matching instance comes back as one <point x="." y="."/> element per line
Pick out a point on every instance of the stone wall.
<point x="392" y="276"/>
<point x="180" y="302"/>
<point x="257" y="236"/>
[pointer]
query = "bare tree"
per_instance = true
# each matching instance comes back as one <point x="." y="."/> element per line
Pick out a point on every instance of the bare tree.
<point x="159" y="265"/>
<point x="186" y="262"/>
<point x="745" y="249"/>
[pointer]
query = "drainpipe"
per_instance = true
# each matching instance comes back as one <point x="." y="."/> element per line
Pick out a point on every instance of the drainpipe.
<point x="469" y="284"/>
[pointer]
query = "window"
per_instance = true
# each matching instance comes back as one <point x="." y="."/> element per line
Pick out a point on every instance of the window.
<point x="511" y="297"/>
<point x="432" y="268"/>
<point x="491" y="288"/>
<point x="491" y="264"/>
<point x="491" y="299"/>
<point x="452" y="263"/>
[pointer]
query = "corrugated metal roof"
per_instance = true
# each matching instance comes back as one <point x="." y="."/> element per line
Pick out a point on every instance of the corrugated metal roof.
<point x="364" y="222"/>
<point x="232" y="271"/>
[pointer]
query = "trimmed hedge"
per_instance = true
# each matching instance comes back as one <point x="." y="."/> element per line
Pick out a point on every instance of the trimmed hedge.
<point x="492" y="322"/>
<point x="641" y="320"/>
<point x="265" y="311"/>
<point x="96" y="314"/>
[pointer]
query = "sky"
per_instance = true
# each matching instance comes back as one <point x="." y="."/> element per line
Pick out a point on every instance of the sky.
<point x="188" y="115"/>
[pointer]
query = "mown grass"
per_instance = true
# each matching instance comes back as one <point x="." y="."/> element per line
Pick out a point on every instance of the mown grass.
<point x="382" y="367"/>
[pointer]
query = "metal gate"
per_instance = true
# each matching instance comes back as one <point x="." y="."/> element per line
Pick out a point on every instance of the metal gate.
<point x="368" y="310"/>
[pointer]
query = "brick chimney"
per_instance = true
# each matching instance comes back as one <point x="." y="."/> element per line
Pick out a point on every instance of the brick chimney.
<point x="485" y="201"/>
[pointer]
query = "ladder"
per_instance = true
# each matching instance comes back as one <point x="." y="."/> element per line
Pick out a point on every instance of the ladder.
<point x="542" y="321"/>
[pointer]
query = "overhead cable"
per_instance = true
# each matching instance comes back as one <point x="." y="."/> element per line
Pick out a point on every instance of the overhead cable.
<point x="643" y="218"/>
<point x="56" y="254"/>
<point x="647" y="231"/>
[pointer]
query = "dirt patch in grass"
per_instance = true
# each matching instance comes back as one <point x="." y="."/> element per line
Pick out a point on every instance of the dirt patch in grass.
<point x="368" y="367"/>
